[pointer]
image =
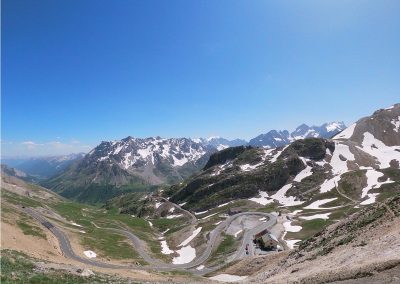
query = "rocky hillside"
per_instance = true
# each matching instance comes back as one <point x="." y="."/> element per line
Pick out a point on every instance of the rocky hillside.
<point x="362" y="248"/>
<point x="12" y="172"/>
<point x="275" y="138"/>
<point x="355" y="165"/>
<point x="131" y="164"/>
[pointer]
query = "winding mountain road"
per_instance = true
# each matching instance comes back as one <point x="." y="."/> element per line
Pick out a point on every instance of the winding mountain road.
<point x="138" y="244"/>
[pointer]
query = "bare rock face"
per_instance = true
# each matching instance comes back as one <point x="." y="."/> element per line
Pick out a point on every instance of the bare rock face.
<point x="384" y="125"/>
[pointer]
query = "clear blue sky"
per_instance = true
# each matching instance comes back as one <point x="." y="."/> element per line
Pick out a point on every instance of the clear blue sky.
<point x="78" y="72"/>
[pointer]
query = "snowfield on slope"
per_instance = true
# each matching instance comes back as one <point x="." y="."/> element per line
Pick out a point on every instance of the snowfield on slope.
<point x="281" y="197"/>
<point x="324" y="216"/>
<point x="227" y="278"/>
<point x="378" y="149"/>
<point x="185" y="255"/>
<point x="165" y="248"/>
<point x="291" y="228"/>
<point x="190" y="238"/>
<point x="316" y="204"/>
<point x="372" y="183"/>
<point x="264" y="199"/>
<point x="304" y="173"/>
<point x="347" y="133"/>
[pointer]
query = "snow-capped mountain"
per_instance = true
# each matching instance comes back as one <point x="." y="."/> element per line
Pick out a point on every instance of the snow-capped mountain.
<point x="275" y="138"/>
<point x="271" y="139"/>
<point x="132" y="164"/>
<point x="143" y="156"/>
<point x="221" y="143"/>
<point x="359" y="166"/>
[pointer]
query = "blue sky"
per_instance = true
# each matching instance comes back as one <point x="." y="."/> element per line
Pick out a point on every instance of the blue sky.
<point x="75" y="73"/>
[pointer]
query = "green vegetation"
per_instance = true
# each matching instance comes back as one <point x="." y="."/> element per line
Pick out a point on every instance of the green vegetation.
<point x="345" y="232"/>
<point x="175" y="224"/>
<point x="108" y="244"/>
<point x="17" y="267"/>
<point x="206" y="190"/>
<point x="16" y="199"/>
<point x="392" y="173"/>
<point x="352" y="183"/>
<point x="309" y="228"/>
<point x="227" y="246"/>
<point x="111" y="181"/>
<point x="131" y="203"/>
<point x="313" y="148"/>
<point x="29" y="229"/>
<point x="225" y="155"/>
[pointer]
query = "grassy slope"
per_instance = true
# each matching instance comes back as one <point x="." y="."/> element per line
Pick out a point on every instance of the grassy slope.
<point x="17" y="267"/>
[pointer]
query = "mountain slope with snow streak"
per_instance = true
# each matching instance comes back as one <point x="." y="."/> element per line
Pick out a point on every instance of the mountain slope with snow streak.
<point x="131" y="163"/>
<point x="305" y="171"/>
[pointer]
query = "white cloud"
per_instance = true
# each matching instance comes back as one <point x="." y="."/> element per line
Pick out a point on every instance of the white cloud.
<point x="33" y="148"/>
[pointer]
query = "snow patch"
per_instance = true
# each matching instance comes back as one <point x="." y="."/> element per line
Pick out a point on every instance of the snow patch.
<point x="290" y="228"/>
<point x="222" y="205"/>
<point x="378" y="149"/>
<point x="190" y="238"/>
<point x="304" y="173"/>
<point x="90" y="254"/>
<point x="324" y="216"/>
<point x="173" y="216"/>
<point x="75" y="224"/>
<point x="329" y="184"/>
<point x="186" y="255"/>
<point x="292" y="243"/>
<point x="318" y="203"/>
<point x="201" y="212"/>
<point x="227" y="277"/>
<point x="347" y="133"/>
<point x="396" y="124"/>
<point x="264" y="199"/>
<point x="209" y="216"/>
<point x="371" y="199"/>
<point x="339" y="166"/>
<point x="372" y="182"/>
<point x="281" y="197"/>
<point x="237" y="233"/>
<point x="165" y="248"/>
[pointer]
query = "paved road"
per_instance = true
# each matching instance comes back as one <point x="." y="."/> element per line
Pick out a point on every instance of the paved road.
<point x="65" y="245"/>
<point x="248" y="239"/>
<point x="138" y="244"/>
<point x="193" y="218"/>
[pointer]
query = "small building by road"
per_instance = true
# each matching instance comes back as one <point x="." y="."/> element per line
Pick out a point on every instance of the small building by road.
<point x="266" y="240"/>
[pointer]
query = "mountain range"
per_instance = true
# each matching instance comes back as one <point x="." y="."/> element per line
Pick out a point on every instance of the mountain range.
<point x="336" y="199"/>
<point x="275" y="138"/>
<point x="303" y="171"/>
<point x="134" y="164"/>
